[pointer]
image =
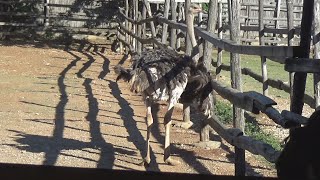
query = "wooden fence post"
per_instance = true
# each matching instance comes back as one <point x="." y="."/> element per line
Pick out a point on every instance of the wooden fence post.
<point x="144" y="26"/>
<point x="277" y="15"/>
<point x="130" y="11"/>
<point x="290" y="39"/>
<point x="299" y="82"/>
<point x="179" y="19"/>
<point x="153" y="29"/>
<point x="187" y="41"/>
<point x="238" y="114"/>
<point x="139" y="34"/>
<point x="186" y="109"/>
<point x="173" y="34"/>
<point x="46" y="13"/>
<point x="165" y="25"/>
<point x="220" y="29"/>
<point x="212" y="20"/>
<point x="207" y="56"/>
<point x="316" y="49"/>
<point x="135" y="26"/>
<point x="127" y="38"/>
<point x="263" y="58"/>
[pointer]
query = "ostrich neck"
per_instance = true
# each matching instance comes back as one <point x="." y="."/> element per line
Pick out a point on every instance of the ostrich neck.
<point x="190" y="29"/>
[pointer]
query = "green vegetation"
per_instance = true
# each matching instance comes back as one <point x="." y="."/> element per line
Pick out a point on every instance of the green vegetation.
<point x="205" y="6"/>
<point x="275" y="71"/>
<point x="224" y="112"/>
<point x="252" y="129"/>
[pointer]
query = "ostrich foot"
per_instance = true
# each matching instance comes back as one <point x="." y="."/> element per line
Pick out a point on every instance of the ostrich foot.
<point x="145" y="162"/>
<point x="172" y="162"/>
<point x="184" y="125"/>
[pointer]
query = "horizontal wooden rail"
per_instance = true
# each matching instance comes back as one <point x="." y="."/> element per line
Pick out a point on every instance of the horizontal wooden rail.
<point x="254" y="102"/>
<point x="230" y="46"/>
<point x="21" y="1"/>
<point x="227" y="45"/>
<point x="236" y="138"/>
<point x="140" y="22"/>
<point x="144" y="41"/>
<point x="275" y="83"/>
<point x="302" y="65"/>
<point x="250" y="101"/>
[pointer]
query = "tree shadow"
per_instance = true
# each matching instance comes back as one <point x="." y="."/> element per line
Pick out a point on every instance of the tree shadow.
<point x="126" y="113"/>
<point x="105" y="66"/>
<point x="86" y="65"/>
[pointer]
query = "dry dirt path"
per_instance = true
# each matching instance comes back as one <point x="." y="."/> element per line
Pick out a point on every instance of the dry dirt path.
<point x="64" y="108"/>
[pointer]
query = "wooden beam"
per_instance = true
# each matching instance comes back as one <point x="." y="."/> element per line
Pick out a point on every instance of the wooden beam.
<point x="236" y="138"/>
<point x="299" y="83"/>
<point x="236" y="82"/>
<point x="231" y="46"/>
<point x="207" y="54"/>
<point x="303" y="65"/>
<point x="165" y="26"/>
<point x="193" y="1"/>
<point x="173" y="32"/>
<point x="262" y="43"/>
<point x="316" y="51"/>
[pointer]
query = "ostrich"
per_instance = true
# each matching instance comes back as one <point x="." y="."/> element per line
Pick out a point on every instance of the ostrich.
<point x="300" y="158"/>
<point x="164" y="75"/>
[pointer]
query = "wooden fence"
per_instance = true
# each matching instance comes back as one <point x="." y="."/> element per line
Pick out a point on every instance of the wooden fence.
<point x="57" y="16"/>
<point x="141" y="27"/>
<point x="135" y="37"/>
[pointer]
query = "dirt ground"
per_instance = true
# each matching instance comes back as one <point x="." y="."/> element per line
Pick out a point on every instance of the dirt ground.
<point x="63" y="108"/>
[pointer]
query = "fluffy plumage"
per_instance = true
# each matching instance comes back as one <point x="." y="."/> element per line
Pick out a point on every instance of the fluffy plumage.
<point x="161" y="75"/>
<point x="164" y="75"/>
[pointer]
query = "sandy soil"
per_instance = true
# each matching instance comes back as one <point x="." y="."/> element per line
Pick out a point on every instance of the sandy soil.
<point x="64" y="108"/>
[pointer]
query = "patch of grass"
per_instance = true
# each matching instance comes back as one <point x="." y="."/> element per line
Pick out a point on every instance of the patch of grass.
<point x="224" y="112"/>
<point x="254" y="131"/>
<point x="275" y="71"/>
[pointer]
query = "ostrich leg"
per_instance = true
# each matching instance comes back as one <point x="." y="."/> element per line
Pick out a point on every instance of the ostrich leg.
<point x="149" y="121"/>
<point x="167" y="123"/>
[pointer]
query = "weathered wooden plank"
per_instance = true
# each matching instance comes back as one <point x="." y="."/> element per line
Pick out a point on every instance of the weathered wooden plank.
<point x="187" y="38"/>
<point x="193" y="1"/>
<point x="261" y="102"/>
<point x="316" y="45"/>
<point x="252" y="103"/>
<point x="294" y="117"/>
<point x="144" y="41"/>
<point x="165" y="26"/>
<point x="272" y="51"/>
<point x="220" y="30"/>
<point x="153" y="29"/>
<point x="299" y="83"/>
<point x="262" y="43"/>
<point x="304" y="65"/>
<point x="173" y="32"/>
<point x="236" y="138"/>
<point x="207" y="54"/>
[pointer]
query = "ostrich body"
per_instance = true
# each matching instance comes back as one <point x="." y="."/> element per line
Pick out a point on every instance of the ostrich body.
<point x="300" y="158"/>
<point x="164" y="75"/>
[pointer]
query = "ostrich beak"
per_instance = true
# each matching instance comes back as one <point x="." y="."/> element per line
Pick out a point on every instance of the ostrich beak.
<point x="196" y="8"/>
<point x="199" y="9"/>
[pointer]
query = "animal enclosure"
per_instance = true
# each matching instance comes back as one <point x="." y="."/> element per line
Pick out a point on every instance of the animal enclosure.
<point x="278" y="31"/>
<point x="270" y="20"/>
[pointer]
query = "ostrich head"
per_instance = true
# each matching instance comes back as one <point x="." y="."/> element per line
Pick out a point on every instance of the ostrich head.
<point x="192" y="10"/>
